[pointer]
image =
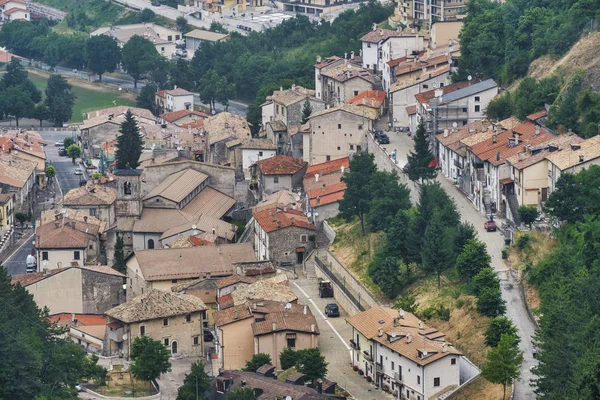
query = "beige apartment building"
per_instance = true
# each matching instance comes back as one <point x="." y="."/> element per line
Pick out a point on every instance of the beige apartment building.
<point x="234" y="327"/>
<point x="176" y="320"/>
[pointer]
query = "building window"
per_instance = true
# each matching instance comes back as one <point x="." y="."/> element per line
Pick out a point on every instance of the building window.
<point x="356" y="93"/>
<point x="291" y="343"/>
<point x="166" y="342"/>
<point x="339" y="148"/>
<point x="142" y="330"/>
<point x="127" y="187"/>
<point x="436" y="381"/>
<point x="360" y="127"/>
<point x="425" y="86"/>
<point x="351" y="147"/>
<point x="339" y="126"/>
<point x="477" y="99"/>
<point x="162" y="49"/>
<point x="464" y="109"/>
<point x="173" y="280"/>
<point x="220" y="386"/>
<point x="392" y="365"/>
<point x="76" y="255"/>
<point x="304" y="238"/>
<point x="176" y="37"/>
<point x="441" y="84"/>
<point x="45" y="255"/>
<point x="453" y="361"/>
<point x="418" y="379"/>
<point x="477" y="107"/>
<point x="276" y="108"/>
<point x="92" y="212"/>
<point x="328" y="158"/>
<point x="260" y="153"/>
<point x="276" y="179"/>
<point x="150" y="244"/>
<point x="165" y="321"/>
<point x="170" y="38"/>
<point x="196" y="340"/>
<point x="188" y="317"/>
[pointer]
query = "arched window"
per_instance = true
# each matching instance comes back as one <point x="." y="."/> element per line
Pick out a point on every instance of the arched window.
<point x="127" y="187"/>
<point x="150" y="244"/>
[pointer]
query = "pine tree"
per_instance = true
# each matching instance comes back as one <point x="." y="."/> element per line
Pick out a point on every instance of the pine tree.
<point x="129" y="143"/>
<point x="473" y="259"/>
<point x="503" y="362"/>
<point x="119" y="262"/>
<point x="306" y="111"/>
<point x="195" y="383"/>
<point x="436" y="253"/>
<point x="420" y="159"/>
<point x="357" y="197"/>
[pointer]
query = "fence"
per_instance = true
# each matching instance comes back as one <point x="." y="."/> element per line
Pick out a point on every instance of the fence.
<point x="341" y="286"/>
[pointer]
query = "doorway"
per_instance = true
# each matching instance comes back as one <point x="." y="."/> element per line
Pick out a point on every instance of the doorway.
<point x="174" y="348"/>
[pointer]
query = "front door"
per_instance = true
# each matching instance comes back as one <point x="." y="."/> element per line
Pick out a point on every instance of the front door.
<point x="299" y="257"/>
<point x="174" y="348"/>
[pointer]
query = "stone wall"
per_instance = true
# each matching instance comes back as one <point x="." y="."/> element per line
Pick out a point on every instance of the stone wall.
<point x="100" y="292"/>
<point x="283" y="243"/>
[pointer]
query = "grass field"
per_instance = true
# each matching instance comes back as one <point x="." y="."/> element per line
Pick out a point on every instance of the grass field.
<point x="90" y="97"/>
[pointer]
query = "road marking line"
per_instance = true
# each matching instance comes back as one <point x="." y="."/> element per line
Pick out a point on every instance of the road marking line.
<point x="323" y="316"/>
<point x="19" y="248"/>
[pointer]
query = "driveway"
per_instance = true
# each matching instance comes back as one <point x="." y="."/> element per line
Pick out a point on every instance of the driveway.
<point x="333" y="342"/>
<point x="494" y="241"/>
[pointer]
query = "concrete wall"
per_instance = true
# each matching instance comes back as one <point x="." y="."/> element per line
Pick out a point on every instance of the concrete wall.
<point x="441" y="32"/>
<point x="251" y="156"/>
<point x="60" y="293"/>
<point x="403" y="98"/>
<point x="60" y="258"/>
<point x="274" y="343"/>
<point x="136" y="284"/>
<point x="140" y="240"/>
<point x="237" y="343"/>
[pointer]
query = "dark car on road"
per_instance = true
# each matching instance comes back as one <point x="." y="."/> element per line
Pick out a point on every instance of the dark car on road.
<point x="325" y="289"/>
<point x="62" y="152"/>
<point x="155" y="3"/>
<point x="332" y="310"/>
<point x="383" y="139"/>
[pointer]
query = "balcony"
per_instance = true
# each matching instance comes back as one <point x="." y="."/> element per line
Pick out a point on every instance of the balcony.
<point x="354" y="345"/>
<point x="458" y="164"/>
<point x="367" y="356"/>
<point x="379" y="368"/>
<point x="397" y="377"/>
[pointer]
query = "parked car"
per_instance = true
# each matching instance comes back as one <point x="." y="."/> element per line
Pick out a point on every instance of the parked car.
<point x="62" y="152"/>
<point x="332" y="310"/>
<point x="377" y="134"/>
<point x="59" y="143"/>
<point x="490" y="226"/>
<point x="208" y="336"/>
<point x="383" y="139"/>
<point x="155" y="3"/>
<point x="325" y="289"/>
<point x="78" y="171"/>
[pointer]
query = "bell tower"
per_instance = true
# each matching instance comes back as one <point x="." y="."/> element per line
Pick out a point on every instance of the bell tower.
<point x="129" y="192"/>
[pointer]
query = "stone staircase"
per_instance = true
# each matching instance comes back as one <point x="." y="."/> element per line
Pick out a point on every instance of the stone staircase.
<point x="513" y="204"/>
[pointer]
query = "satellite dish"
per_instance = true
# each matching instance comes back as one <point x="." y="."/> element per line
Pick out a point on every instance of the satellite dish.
<point x="454" y="124"/>
<point x="425" y="353"/>
<point x="316" y="214"/>
<point x="124" y="336"/>
<point x="309" y="215"/>
<point x="469" y="77"/>
<point x="394" y="334"/>
<point x="402" y="313"/>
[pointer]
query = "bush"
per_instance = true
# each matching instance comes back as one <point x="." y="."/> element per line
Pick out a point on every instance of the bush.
<point x="288" y="358"/>
<point x="406" y="303"/>
<point x="460" y="303"/>
<point x="523" y="241"/>
<point x="360" y="372"/>
<point x="505" y="252"/>
<point x="257" y="361"/>
<point x="369" y="379"/>
<point x="490" y="302"/>
<point x="443" y="313"/>
<point x="428" y="313"/>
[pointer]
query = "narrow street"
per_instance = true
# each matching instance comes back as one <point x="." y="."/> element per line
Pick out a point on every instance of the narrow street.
<point x="494" y="241"/>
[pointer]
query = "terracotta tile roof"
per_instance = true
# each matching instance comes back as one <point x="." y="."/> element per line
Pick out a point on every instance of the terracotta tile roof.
<point x="456" y="135"/>
<point x="268" y="307"/>
<point x="15" y="171"/>
<point x="535" y="116"/>
<point x="5" y="197"/>
<point x="193" y="262"/>
<point x="31" y="278"/>
<point x="193" y="124"/>
<point x="368" y="322"/>
<point x="326" y="195"/>
<point x="283" y="321"/>
<point x="583" y="152"/>
<point x="205" y="223"/>
<point x="268" y="289"/>
<point x="177" y="186"/>
<point x="327" y="61"/>
<point x="225" y="302"/>
<point x="226" y="126"/>
<point x="96" y="331"/>
<point x="179" y="92"/>
<point x="14" y="10"/>
<point x="90" y="195"/>
<point x="115" y="325"/>
<point x="409" y="66"/>
<point x="233" y="279"/>
<point x="259" y="144"/>
<point x="140" y="112"/>
<point x="526" y="159"/>
<point x="328" y="167"/>
<point x="65" y="319"/>
<point x="175" y="115"/>
<point x="277" y="125"/>
<point x="347" y="71"/>
<point x="349" y="108"/>
<point x="210" y="202"/>
<point x="272" y="219"/>
<point x="156" y="304"/>
<point x="369" y="98"/>
<point x="293" y="95"/>
<point x="65" y="236"/>
<point x="379" y="35"/>
<point x="395" y="61"/>
<point x="279" y="199"/>
<point x="406" y="82"/>
<point x="425" y="97"/>
<point x="281" y="165"/>
<point x="232" y="314"/>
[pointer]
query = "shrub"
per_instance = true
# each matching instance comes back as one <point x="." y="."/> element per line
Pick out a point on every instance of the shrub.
<point x="428" y="313"/>
<point x="406" y="303"/>
<point x="460" y="303"/>
<point x="369" y="379"/>
<point x="360" y="372"/>
<point x="523" y="241"/>
<point x="288" y="358"/>
<point x="443" y="313"/>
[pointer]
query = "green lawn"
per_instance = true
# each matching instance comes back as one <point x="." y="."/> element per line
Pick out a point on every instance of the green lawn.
<point x="87" y="99"/>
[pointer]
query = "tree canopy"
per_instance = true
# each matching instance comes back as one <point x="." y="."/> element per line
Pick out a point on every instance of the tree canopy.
<point x="356" y="201"/>
<point x="503" y="362"/>
<point x="138" y="56"/>
<point x="129" y="143"/>
<point x="195" y="383"/>
<point x="103" y="54"/>
<point x="150" y="358"/>
<point x="257" y="361"/>
<point x="420" y="160"/>
<point x="59" y="99"/>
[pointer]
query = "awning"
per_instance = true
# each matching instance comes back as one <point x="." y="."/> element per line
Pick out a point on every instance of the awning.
<point x="506" y="181"/>
<point x="300" y="249"/>
<point x="290" y="336"/>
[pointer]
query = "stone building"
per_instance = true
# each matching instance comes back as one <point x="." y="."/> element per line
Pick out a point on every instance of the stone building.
<point x="324" y="189"/>
<point x="287" y="105"/>
<point x="280" y="172"/>
<point x="94" y="200"/>
<point x="283" y="235"/>
<point x="78" y="289"/>
<point x="176" y="320"/>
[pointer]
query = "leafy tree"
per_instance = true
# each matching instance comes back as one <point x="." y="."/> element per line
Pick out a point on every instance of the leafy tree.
<point x="397" y="235"/>
<point x="51" y="54"/>
<point x="575" y="195"/>
<point x="257" y="361"/>
<point x="485" y="278"/>
<point x="288" y="358"/>
<point x="41" y="112"/>
<point x="384" y="271"/>
<point x="129" y="143"/>
<point x="103" y="54"/>
<point x="159" y="73"/>
<point x="182" y="24"/>
<point x="500" y="326"/>
<point x="74" y="152"/>
<point x="138" y="56"/>
<point x="119" y="256"/>
<point x="500" y="108"/>
<point x="307" y="110"/>
<point x="503" y="362"/>
<point x="528" y="214"/>
<point x="59" y="99"/>
<point x="437" y="252"/>
<point x="17" y="103"/>
<point x="146" y="97"/>
<point x="465" y="231"/>
<point x="312" y="364"/>
<point x="356" y="201"/>
<point x="241" y="393"/>
<point x="15" y="74"/>
<point x="67" y="142"/>
<point x="181" y="75"/>
<point x="21" y="217"/>
<point x="490" y="303"/>
<point x="388" y="198"/>
<point x="419" y="160"/>
<point x="217" y="27"/>
<point x="406" y="303"/>
<point x="195" y="384"/>
<point x="150" y="358"/>
<point x="50" y="172"/>
<point x="473" y="259"/>
<point x="147" y="15"/>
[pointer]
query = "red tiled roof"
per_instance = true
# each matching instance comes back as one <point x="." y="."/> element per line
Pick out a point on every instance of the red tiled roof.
<point x="233" y="279"/>
<point x="537" y="115"/>
<point x="420" y="64"/>
<point x="373" y="98"/>
<point x="82" y="319"/>
<point x="115" y="325"/>
<point x="193" y="124"/>
<point x="328" y="167"/>
<point x="281" y="165"/>
<point x="327" y="61"/>
<point x="225" y="301"/>
<point x="424" y="97"/>
<point x="232" y="314"/>
<point x="327" y="195"/>
<point x="175" y="115"/>
<point x="272" y="219"/>
<point x="31" y="278"/>
<point x="378" y="35"/>
<point x="411" y="110"/>
<point x="14" y="10"/>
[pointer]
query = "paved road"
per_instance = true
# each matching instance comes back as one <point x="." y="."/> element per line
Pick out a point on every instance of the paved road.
<point x="402" y="143"/>
<point x="333" y="342"/>
<point x="66" y="179"/>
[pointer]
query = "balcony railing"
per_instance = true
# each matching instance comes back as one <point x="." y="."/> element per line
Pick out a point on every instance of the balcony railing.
<point x="397" y="377"/>
<point x="354" y="345"/>
<point x="367" y="356"/>
<point x="378" y="367"/>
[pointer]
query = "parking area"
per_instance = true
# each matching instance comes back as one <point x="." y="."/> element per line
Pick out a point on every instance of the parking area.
<point x="333" y="342"/>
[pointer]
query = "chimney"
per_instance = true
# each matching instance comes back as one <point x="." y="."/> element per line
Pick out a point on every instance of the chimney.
<point x="318" y="200"/>
<point x="57" y="224"/>
<point x="421" y="325"/>
<point x="85" y="217"/>
<point x="408" y="338"/>
<point x="316" y="178"/>
<point x="493" y="138"/>
<point x="72" y="317"/>
<point x="520" y="155"/>
<point x="254" y="306"/>
<point x="274" y="326"/>
<point x="374" y="26"/>
<point x="236" y="315"/>
<point x="351" y="55"/>
<point x="312" y="327"/>
<point x="342" y="169"/>
<point x="278" y="224"/>
<point x="498" y="156"/>
<point x="581" y="158"/>
<point x="445" y="348"/>
<point x="305" y="309"/>
<point x="318" y="59"/>
<point x="537" y="130"/>
<point x="381" y="32"/>
<point x="292" y="220"/>
<point x="319" y="386"/>
<point x="323" y="188"/>
<point x="345" y="56"/>
<point x="380" y="332"/>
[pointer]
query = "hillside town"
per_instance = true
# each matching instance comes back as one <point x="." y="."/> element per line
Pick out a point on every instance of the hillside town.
<point x="230" y="200"/>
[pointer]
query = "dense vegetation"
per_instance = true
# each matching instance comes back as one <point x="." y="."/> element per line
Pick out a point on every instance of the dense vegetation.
<point x="36" y="362"/>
